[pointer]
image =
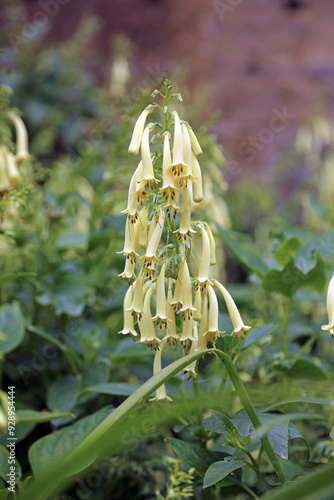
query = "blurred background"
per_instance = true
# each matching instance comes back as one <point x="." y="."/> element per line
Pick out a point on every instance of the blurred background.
<point x="242" y="61"/>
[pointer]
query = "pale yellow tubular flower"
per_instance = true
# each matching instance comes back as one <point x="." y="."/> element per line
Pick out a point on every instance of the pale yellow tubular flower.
<point x="187" y="308"/>
<point x="187" y="155"/>
<point x="198" y="183"/>
<point x="151" y="339"/>
<point x="171" y="336"/>
<point x="178" y="165"/>
<point x="330" y="308"/>
<point x="128" y="327"/>
<point x="132" y="208"/>
<point x="142" y="227"/>
<point x="185" y="219"/>
<point x="129" y="270"/>
<point x="152" y="247"/>
<point x="213" y="331"/>
<point x="203" y="327"/>
<point x="161" y="311"/>
<point x="212" y="245"/>
<point x="138" y="296"/>
<point x="148" y="171"/>
<point x="138" y="131"/>
<point x="187" y="336"/>
<point x="194" y="141"/>
<point x="22" y="152"/>
<point x="237" y="322"/>
<point x="4" y="183"/>
<point x="160" y="393"/>
<point x="14" y="176"/>
<point x="152" y="227"/>
<point x="130" y="241"/>
<point x="169" y="189"/>
<point x="198" y="304"/>
<point x="190" y="370"/>
<point x="176" y="302"/>
<point x="139" y="193"/>
<point x="204" y="265"/>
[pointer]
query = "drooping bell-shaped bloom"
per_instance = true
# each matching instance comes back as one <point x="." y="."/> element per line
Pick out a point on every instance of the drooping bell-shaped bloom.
<point x="128" y="327"/>
<point x="137" y="305"/>
<point x="148" y="171"/>
<point x="138" y="131"/>
<point x="176" y="301"/>
<point x="129" y="270"/>
<point x="161" y="311"/>
<point x="330" y="308"/>
<point x="169" y="189"/>
<point x="185" y="220"/>
<point x="178" y="166"/>
<point x="212" y="245"/>
<point x="187" y="155"/>
<point x="150" y="336"/>
<point x="130" y="241"/>
<point x="190" y="370"/>
<point x="187" y="333"/>
<point x="187" y="308"/>
<point x="4" y="183"/>
<point x="194" y="141"/>
<point x="160" y="393"/>
<point x="204" y="265"/>
<point x="198" y="183"/>
<point x="237" y="322"/>
<point x="22" y="152"/>
<point x="132" y="208"/>
<point x="154" y="240"/>
<point x="142" y="227"/>
<point x="171" y="336"/>
<point x="14" y="176"/>
<point x="213" y="330"/>
<point x="203" y="327"/>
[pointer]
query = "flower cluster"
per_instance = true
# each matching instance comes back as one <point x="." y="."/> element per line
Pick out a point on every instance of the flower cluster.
<point x="10" y="176"/>
<point x="158" y="231"/>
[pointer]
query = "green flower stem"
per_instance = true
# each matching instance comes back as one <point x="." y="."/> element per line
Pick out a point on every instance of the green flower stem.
<point x="248" y="405"/>
<point x="285" y="324"/>
<point x="97" y="443"/>
<point x="199" y="407"/>
<point x="245" y="488"/>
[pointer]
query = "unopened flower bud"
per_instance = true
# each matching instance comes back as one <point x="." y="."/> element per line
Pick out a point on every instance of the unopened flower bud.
<point x="138" y="131"/>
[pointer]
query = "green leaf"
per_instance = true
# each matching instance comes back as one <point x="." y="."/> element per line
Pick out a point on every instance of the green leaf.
<point x="258" y="333"/>
<point x="278" y="433"/>
<point x="31" y="416"/>
<point x="299" y="369"/>
<point x="288" y="280"/>
<point x="62" y="394"/>
<point x="248" y="258"/>
<point x="226" y="343"/>
<point x="219" y="470"/>
<point x="277" y="420"/>
<point x="68" y="297"/>
<point x="305" y="258"/>
<point x="194" y="455"/>
<point x="12" y="327"/>
<point x="56" y="446"/>
<point x="227" y="426"/>
<point x="4" y="465"/>
<point x="114" y="388"/>
<point x="287" y="250"/>
<point x="14" y="276"/>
